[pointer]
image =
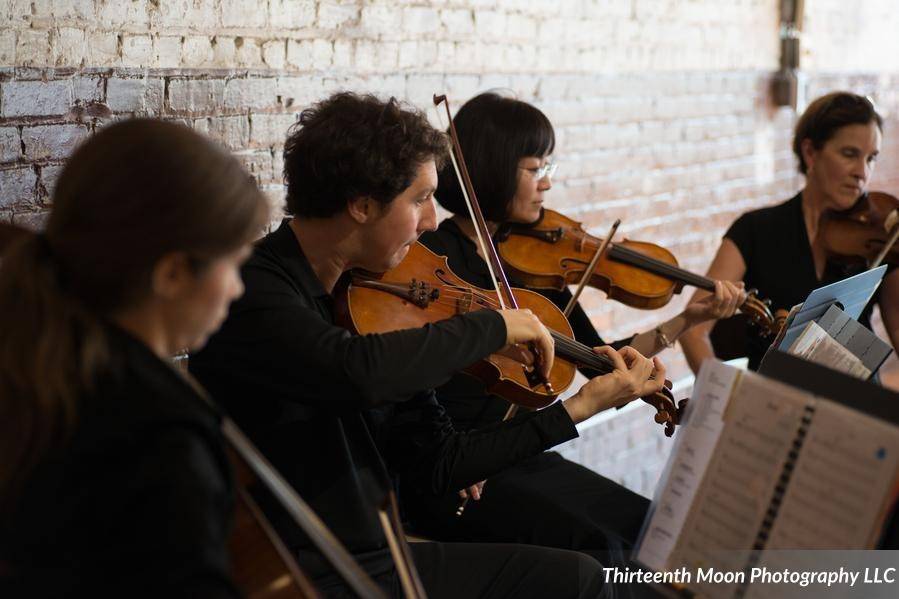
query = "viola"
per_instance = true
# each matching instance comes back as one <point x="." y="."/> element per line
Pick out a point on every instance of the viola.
<point x="864" y="232"/>
<point x="555" y="251"/>
<point x="422" y="289"/>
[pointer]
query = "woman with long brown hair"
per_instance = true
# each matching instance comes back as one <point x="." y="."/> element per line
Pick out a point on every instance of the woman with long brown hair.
<point x="113" y="477"/>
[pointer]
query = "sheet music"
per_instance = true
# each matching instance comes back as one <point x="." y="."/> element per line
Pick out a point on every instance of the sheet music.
<point x="861" y="341"/>
<point x="816" y="345"/>
<point x="761" y="422"/>
<point x="728" y="486"/>
<point x="836" y="496"/>
<point x="852" y="293"/>
<point x="692" y="452"/>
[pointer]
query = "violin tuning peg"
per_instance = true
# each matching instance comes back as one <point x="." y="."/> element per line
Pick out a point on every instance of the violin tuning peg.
<point x="662" y="417"/>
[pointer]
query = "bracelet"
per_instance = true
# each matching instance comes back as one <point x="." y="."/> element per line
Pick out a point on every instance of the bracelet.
<point x="661" y="336"/>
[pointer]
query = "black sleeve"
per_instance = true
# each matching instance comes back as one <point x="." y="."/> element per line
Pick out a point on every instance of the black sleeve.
<point x="421" y="445"/>
<point x="742" y="233"/>
<point x="279" y="346"/>
<point x="179" y="505"/>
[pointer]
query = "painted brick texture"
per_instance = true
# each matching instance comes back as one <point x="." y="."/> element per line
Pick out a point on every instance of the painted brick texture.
<point x="662" y="108"/>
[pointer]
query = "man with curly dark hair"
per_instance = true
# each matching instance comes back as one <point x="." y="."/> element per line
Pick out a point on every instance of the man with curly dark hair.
<point x="345" y="417"/>
<point x="355" y="145"/>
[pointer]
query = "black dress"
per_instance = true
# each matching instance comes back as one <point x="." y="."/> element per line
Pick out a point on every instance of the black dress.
<point x="779" y="263"/>
<point x="545" y="500"/>
<point x="137" y="504"/>
<point x="343" y="417"/>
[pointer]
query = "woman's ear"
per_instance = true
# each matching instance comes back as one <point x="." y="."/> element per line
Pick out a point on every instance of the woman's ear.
<point x="172" y="275"/>
<point x="808" y="153"/>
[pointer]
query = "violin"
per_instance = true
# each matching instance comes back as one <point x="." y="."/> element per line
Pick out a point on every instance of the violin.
<point x="422" y="289"/>
<point x="866" y="233"/>
<point x="555" y="252"/>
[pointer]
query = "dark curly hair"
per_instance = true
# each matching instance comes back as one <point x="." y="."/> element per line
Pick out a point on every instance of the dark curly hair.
<point x="495" y="132"/>
<point x="352" y="145"/>
<point x="828" y="113"/>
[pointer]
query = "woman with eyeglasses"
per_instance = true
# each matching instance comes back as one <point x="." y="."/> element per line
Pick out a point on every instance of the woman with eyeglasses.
<point x="777" y="249"/>
<point x="113" y="475"/>
<point x="547" y="500"/>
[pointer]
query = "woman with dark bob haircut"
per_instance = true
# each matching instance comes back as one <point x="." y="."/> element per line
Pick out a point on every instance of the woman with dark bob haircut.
<point x="546" y="500"/>
<point x="113" y="475"/>
<point x="777" y="249"/>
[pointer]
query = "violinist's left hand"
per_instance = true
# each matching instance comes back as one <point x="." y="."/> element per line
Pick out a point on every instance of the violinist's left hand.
<point x="474" y="491"/>
<point x="729" y="296"/>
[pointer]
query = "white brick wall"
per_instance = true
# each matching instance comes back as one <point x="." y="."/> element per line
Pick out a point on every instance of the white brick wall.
<point x="568" y="35"/>
<point x="850" y="36"/>
<point x="661" y="107"/>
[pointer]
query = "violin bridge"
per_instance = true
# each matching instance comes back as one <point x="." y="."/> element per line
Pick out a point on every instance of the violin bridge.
<point x="463" y="304"/>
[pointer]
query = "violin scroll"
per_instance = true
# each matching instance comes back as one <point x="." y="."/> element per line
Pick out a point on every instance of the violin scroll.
<point x="759" y="313"/>
<point x="668" y="412"/>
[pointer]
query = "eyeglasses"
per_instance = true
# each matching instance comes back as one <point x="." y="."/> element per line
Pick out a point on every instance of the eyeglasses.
<point x="539" y="172"/>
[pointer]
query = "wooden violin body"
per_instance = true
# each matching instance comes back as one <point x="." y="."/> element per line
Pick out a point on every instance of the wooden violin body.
<point x="422" y="289"/>
<point x="555" y="251"/>
<point x="859" y="234"/>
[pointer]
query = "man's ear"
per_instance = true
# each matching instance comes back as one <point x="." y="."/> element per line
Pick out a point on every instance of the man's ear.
<point x="172" y="275"/>
<point x="362" y="209"/>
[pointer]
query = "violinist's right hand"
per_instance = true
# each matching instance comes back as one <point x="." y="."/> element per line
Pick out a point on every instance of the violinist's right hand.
<point x="523" y="327"/>
<point x="634" y="376"/>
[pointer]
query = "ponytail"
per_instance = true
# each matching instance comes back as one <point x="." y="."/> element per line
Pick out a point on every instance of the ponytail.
<point x="134" y="192"/>
<point x="50" y="351"/>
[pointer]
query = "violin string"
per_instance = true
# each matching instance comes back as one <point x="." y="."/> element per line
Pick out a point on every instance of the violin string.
<point x="656" y="266"/>
<point x="450" y="296"/>
<point x="571" y="347"/>
<point x="647" y="263"/>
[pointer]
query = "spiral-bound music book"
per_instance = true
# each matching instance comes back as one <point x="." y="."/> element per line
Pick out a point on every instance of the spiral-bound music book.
<point x="798" y="457"/>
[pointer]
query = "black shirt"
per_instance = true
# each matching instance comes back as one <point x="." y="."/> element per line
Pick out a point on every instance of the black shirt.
<point x="463" y="396"/>
<point x="138" y="502"/>
<point x="332" y="411"/>
<point x="779" y="263"/>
